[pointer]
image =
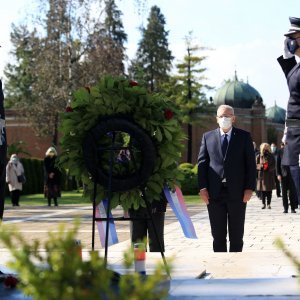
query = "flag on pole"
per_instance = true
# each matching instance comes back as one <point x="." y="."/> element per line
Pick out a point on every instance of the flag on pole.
<point x="176" y="201"/>
<point x="101" y="225"/>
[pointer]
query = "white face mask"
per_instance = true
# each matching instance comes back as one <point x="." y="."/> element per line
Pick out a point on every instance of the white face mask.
<point x="14" y="160"/>
<point x="225" y="123"/>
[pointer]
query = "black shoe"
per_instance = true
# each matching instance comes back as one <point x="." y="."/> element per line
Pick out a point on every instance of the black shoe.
<point x="269" y="206"/>
<point x="293" y="211"/>
<point x="285" y="211"/>
<point x="264" y="206"/>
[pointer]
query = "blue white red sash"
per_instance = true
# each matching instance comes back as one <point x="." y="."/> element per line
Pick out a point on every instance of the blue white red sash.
<point x="112" y="233"/>
<point x="176" y="201"/>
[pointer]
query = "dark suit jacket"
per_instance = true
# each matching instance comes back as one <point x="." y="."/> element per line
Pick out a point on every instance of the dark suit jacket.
<point x="238" y="166"/>
<point x="292" y="72"/>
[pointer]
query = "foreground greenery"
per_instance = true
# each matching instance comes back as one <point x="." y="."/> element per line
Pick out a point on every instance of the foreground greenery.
<point x="76" y="198"/>
<point x="61" y="273"/>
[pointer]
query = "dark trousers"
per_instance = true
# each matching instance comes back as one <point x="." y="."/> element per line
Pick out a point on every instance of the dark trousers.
<point x="288" y="193"/>
<point x="224" y="212"/>
<point x="277" y="184"/>
<point x="266" y="195"/>
<point x="15" y="197"/>
<point x="295" y="172"/>
<point x="142" y="228"/>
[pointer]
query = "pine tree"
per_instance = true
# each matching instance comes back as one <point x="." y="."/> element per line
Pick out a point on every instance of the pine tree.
<point x="187" y="88"/>
<point x="20" y="79"/>
<point x="153" y="55"/>
<point x="106" y="52"/>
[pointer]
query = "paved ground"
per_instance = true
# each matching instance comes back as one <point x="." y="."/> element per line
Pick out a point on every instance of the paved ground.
<point x="260" y="258"/>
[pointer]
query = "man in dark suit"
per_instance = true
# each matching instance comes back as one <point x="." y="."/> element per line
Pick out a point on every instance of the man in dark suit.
<point x="291" y="70"/>
<point x="288" y="188"/>
<point x="226" y="177"/>
<point x="3" y="148"/>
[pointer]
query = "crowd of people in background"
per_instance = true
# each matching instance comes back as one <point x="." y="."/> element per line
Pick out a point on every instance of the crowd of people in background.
<point x="272" y="174"/>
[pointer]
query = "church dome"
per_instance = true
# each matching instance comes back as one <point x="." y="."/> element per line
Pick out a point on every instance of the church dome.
<point x="276" y="114"/>
<point x="237" y="94"/>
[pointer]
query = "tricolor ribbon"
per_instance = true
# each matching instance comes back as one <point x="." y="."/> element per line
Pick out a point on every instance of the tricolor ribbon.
<point x="101" y="225"/>
<point x="176" y="201"/>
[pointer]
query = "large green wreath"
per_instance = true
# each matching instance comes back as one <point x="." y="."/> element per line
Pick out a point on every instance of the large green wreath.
<point x="159" y="117"/>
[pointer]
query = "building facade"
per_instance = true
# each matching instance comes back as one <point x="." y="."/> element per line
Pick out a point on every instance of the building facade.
<point x="251" y="115"/>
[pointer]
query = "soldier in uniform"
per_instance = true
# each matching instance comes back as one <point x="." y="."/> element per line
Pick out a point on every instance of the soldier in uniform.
<point x="291" y="70"/>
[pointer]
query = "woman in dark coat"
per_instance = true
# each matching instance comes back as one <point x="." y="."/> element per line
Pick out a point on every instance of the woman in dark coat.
<point x="265" y="164"/>
<point x="52" y="177"/>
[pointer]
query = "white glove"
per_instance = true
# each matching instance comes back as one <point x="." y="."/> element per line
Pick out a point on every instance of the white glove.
<point x="284" y="135"/>
<point x="286" y="52"/>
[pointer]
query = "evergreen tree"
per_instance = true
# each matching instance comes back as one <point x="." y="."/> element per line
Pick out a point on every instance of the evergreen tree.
<point x="153" y="55"/>
<point x="113" y="25"/>
<point x="106" y="52"/>
<point x="187" y="88"/>
<point x="20" y="79"/>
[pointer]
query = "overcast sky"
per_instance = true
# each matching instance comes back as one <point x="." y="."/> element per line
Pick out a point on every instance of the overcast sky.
<point x="246" y="35"/>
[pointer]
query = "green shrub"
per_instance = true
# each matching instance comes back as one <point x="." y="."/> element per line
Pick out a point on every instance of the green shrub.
<point x="189" y="183"/>
<point x="185" y="166"/>
<point x="33" y="169"/>
<point x="60" y="273"/>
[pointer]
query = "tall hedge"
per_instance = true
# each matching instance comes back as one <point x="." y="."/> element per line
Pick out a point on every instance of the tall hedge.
<point x="189" y="183"/>
<point x="34" y="173"/>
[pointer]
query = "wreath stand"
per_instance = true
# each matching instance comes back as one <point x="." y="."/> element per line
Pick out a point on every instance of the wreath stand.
<point x="111" y="126"/>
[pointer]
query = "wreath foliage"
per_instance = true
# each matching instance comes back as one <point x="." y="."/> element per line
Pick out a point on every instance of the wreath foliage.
<point x="157" y="116"/>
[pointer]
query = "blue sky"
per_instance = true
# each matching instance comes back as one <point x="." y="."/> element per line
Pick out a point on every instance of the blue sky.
<point x="246" y="35"/>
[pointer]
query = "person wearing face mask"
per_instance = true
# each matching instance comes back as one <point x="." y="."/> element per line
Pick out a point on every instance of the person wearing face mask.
<point x="265" y="164"/>
<point x="291" y="69"/>
<point x="14" y="170"/>
<point x="226" y="178"/>
<point x="274" y="151"/>
<point x="51" y="177"/>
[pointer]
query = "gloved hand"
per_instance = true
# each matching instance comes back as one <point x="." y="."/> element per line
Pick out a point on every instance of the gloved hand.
<point x="286" y="52"/>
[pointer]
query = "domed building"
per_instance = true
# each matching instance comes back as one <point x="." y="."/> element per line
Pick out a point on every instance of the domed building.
<point x="276" y="114"/>
<point x="236" y="94"/>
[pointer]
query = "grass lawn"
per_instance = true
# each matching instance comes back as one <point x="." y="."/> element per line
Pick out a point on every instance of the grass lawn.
<point x="75" y="197"/>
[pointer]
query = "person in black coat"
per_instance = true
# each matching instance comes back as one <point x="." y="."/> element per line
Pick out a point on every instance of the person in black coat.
<point x="288" y="188"/>
<point x="51" y="177"/>
<point x="3" y="149"/>
<point x="291" y="70"/>
<point x="275" y="151"/>
<point x="226" y="179"/>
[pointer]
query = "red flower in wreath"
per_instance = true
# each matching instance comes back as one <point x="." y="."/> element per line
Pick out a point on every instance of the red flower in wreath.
<point x="265" y="166"/>
<point x="69" y="109"/>
<point x="10" y="281"/>
<point x="168" y="114"/>
<point x="133" y="83"/>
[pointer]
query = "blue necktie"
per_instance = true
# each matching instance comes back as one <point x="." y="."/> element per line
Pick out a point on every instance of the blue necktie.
<point x="224" y="145"/>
